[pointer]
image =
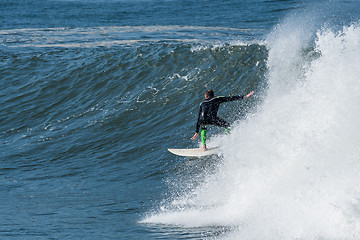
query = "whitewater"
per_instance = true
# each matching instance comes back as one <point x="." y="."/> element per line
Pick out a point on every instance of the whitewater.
<point x="290" y="168"/>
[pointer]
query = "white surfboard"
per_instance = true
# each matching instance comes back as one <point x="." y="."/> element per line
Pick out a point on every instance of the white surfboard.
<point x="194" y="152"/>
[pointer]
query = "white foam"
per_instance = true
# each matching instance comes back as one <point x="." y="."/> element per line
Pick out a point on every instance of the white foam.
<point x="291" y="170"/>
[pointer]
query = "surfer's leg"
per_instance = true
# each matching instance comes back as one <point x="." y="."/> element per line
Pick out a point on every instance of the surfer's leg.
<point x="222" y="123"/>
<point x="203" y="136"/>
<point x="227" y="130"/>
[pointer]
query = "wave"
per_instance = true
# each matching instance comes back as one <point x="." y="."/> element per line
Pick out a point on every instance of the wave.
<point x="290" y="169"/>
<point x="61" y="93"/>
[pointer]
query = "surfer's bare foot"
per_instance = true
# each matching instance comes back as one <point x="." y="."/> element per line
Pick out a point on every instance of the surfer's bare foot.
<point x="204" y="148"/>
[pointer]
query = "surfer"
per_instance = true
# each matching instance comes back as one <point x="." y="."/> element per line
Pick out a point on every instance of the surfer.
<point x="208" y="114"/>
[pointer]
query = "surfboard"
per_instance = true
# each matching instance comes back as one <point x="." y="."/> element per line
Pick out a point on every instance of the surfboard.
<point x="194" y="152"/>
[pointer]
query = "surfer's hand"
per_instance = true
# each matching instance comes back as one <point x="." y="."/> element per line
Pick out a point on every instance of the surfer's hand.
<point x="195" y="136"/>
<point x="249" y="94"/>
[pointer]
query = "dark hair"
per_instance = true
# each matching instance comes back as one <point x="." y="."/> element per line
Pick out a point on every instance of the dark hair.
<point x="210" y="93"/>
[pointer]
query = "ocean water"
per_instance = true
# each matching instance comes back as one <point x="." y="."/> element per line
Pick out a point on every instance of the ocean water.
<point x="93" y="92"/>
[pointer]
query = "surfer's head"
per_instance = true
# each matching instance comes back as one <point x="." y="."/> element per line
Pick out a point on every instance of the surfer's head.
<point x="209" y="94"/>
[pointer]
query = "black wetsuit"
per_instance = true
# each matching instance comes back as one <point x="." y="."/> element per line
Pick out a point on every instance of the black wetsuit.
<point x="208" y="112"/>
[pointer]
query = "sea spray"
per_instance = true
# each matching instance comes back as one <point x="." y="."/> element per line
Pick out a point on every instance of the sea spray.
<point x="300" y="179"/>
<point x="290" y="170"/>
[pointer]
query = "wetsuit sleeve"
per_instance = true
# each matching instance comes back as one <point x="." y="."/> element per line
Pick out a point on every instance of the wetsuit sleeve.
<point x="229" y="99"/>
<point x="198" y="121"/>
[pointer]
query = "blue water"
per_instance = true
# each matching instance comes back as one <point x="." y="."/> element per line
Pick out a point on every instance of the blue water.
<point x="93" y="92"/>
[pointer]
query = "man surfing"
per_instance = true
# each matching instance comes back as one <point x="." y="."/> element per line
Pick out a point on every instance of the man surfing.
<point x="208" y="114"/>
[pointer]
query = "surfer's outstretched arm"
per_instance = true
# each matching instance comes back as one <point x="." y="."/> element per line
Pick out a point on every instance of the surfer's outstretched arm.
<point x="232" y="98"/>
<point x="248" y="95"/>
